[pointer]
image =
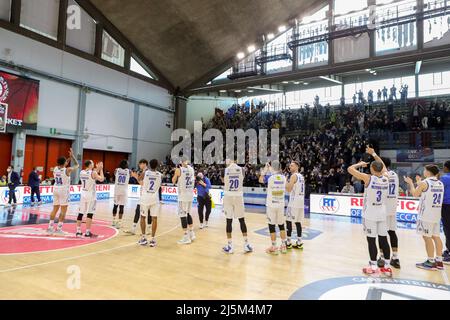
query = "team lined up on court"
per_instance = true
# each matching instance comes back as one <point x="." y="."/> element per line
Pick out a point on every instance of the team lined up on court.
<point x="378" y="216"/>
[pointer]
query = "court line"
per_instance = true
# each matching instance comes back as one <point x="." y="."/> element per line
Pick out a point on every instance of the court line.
<point x="445" y="277"/>
<point x="83" y="255"/>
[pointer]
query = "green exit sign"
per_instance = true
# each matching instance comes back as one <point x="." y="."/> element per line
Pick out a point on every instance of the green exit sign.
<point x="52" y="130"/>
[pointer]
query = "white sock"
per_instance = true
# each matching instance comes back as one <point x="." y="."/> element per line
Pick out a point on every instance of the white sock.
<point x="88" y="231"/>
<point x="395" y="255"/>
<point x="431" y="259"/>
<point x="439" y="259"/>
<point x="245" y="239"/>
<point x="60" y="225"/>
<point x="50" y="223"/>
<point x="373" y="265"/>
<point x="78" y="229"/>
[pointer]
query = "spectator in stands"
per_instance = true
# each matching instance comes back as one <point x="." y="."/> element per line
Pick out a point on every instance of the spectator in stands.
<point x="385" y="94"/>
<point x="348" y="188"/>
<point x="3" y="182"/>
<point x="203" y="186"/>
<point x="446" y="211"/>
<point x="13" y="183"/>
<point x="379" y="95"/>
<point x="34" y="183"/>
<point x="394" y="92"/>
<point x="357" y="185"/>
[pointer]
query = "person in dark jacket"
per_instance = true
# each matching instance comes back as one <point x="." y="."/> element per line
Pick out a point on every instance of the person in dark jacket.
<point x="13" y="183"/>
<point x="34" y="182"/>
<point x="203" y="186"/>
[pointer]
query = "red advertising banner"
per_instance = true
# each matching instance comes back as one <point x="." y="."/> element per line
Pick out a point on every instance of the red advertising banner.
<point x="22" y="97"/>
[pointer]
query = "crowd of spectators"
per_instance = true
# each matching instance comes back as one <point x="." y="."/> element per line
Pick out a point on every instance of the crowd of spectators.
<point x="324" y="139"/>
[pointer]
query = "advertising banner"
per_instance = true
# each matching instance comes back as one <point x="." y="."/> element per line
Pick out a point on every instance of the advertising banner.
<point x="351" y="206"/>
<point x="22" y="97"/>
<point x="415" y="155"/>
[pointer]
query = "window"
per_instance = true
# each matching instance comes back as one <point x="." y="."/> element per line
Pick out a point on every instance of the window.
<point x="40" y="16"/>
<point x="432" y="84"/>
<point x="112" y="51"/>
<point x="315" y="53"/>
<point x="137" y="67"/>
<point x="375" y="85"/>
<point x="318" y="16"/>
<point x="345" y="6"/>
<point x="84" y="38"/>
<point x="278" y="46"/>
<point x="397" y="38"/>
<point x="437" y="29"/>
<point x="296" y="99"/>
<point x="5" y="9"/>
<point x="223" y="75"/>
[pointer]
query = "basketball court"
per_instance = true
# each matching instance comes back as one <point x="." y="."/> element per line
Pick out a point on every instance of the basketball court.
<point x="114" y="266"/>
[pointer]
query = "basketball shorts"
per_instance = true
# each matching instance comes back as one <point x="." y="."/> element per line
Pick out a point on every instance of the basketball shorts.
<point x="154" y="209"/>
<point x="120" y="199"/>
<point x="184" y="208"/>
<point x="428" y="229"/>
<point x="61" y="197"/>
<point x="373" y="229"/>
<point x="391" y="223"/>
<point x="275" y="216"/>
<point x="233" y="207"/>
<point x="87" y="206"/>
<point x="295" y="214"/>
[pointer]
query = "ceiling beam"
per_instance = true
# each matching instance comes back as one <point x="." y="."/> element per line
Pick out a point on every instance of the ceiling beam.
<point x="314" y="72"/>
<point x="118" y="36"/>
<point x="315" y="6"/>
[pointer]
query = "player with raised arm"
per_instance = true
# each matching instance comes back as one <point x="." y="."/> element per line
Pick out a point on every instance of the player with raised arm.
<point x="122" y="178"/>
<point x="233" y="204"/>
<point x="431" y="193"/>
<point x="184" y="178"/>
<point x="295" y="212"/>
<point x="391" y="210"/>
<point x="61" y="190"/>
<point x="374" y="212"/>
<point x="150" y="182"/>
<point x="276" y="186"/>
<point x="88" y="177"/>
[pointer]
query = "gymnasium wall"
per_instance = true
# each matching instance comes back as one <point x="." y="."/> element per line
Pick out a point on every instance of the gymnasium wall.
<point x="203" y="107"/>
<point x="109" y="121"/>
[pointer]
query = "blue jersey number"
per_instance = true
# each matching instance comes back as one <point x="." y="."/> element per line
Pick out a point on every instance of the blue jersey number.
<point x="234" y="184"/>
<point x="379" y="193"/>
<point x="392" y="189"/>
<point x="437" y="198"/>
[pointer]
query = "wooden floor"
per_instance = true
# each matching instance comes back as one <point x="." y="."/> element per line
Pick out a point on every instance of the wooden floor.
<point x="120" y="269"/>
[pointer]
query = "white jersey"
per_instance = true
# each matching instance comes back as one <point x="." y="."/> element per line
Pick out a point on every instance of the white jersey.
<point x="297" y="195"/>
<point x="375" y="196"/>
<point x="62" y="180"/>
<point x="276" y="187"/>
<point x="122" y="180"/>
<point x="233" y="181"/>
<point x="150" y="187"/>
<point x="88" y="191"/>
<point x="431" y="201"/>
<point x="392" y="197"/>
<point x="186" y="184"/>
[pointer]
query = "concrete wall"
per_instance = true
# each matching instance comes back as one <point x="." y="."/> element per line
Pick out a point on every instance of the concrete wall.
<point x="109" y="101"/>
<point x="203" y="107"/>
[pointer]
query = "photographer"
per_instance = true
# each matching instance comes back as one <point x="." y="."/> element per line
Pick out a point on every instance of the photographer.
<point x="203" y="186"/>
